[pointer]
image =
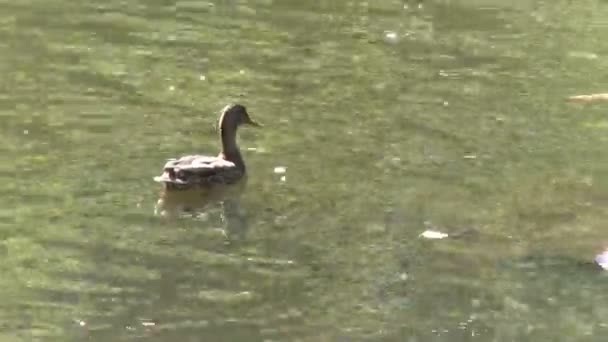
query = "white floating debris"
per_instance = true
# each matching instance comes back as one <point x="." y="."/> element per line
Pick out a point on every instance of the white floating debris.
<point x="26" y="132"/>
<point x="583" y="55"/>
<point x="469" y="156"/>
<point x="202" y="77"/>
<point x="391" y="37"/>
<point x="171" y="88"/>
<point x="280" y="169"/>
<point x="433" y="234"/>
<point x="602" y="260"/>
<point x="242" y="72"/>
<point x="283" y="178"/>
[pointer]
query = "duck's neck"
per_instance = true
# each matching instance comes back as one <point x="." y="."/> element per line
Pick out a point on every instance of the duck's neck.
<point x="230" y="149"/>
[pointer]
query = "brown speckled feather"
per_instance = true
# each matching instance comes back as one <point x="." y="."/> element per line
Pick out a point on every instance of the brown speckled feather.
<point x="199" y="170"/>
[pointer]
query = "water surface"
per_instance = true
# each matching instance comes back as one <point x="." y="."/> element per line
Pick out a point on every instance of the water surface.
<point x="390" y="117"/>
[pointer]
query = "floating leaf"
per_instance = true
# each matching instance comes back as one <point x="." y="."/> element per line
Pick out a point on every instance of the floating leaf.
<point x="589" y="98"/>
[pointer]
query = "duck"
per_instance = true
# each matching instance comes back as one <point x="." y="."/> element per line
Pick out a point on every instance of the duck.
<point x="202" y="171"/>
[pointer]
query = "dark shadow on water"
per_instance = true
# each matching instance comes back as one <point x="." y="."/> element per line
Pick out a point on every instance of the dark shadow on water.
<point x="118" y="90"/>
<point x="182" y="298"/>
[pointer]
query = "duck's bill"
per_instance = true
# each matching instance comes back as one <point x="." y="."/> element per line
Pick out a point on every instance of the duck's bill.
<point x="255" y="123"/>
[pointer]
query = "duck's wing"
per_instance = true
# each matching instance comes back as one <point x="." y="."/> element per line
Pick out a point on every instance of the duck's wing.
<point x="198" y="169"/>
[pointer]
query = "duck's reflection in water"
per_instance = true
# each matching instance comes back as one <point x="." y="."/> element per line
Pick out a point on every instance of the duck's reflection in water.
<point x="196" y="204"/>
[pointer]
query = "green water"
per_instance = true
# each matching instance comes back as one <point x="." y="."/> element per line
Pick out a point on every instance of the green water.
<point x="391" y="117"/>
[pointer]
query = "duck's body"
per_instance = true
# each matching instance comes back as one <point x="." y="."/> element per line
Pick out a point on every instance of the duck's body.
<point x="199" y="170"/>
<point x="228" y="167"/>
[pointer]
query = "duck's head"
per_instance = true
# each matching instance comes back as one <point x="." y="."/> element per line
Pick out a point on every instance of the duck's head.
<point x="234" y="115"/>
